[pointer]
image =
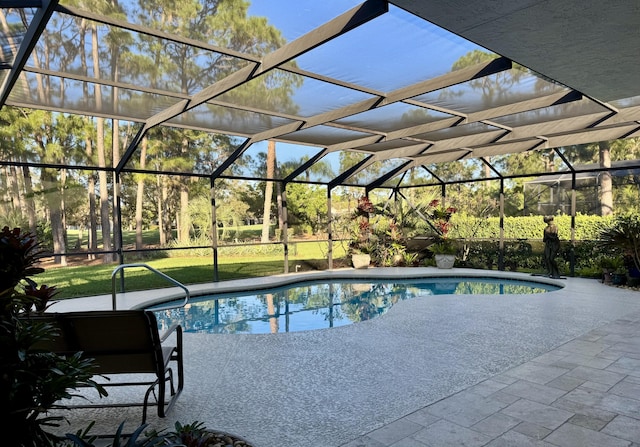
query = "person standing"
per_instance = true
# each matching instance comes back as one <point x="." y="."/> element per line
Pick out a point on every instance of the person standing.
<point x="551" y="247"/>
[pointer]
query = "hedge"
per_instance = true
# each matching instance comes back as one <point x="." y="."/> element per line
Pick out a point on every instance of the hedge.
<point x="464" y="226"/>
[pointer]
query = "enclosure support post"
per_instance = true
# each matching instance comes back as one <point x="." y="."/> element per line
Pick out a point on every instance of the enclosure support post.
<point x="329" y="231"/>
<point x="118" y="225"/>
<point x="285" y="228"/>
<point x="572" y="253"/>
<point x="501" y="248"/>
<point x="214" y="230"/>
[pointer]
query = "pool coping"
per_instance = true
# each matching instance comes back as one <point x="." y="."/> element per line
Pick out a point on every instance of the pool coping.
<point x="146" y="298"/>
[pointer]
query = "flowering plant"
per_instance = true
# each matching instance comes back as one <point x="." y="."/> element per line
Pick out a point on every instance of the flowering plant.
<point x="361" y="240"/>
<point x="365" y="207"/>
<point x="440" y="217"/>
<point x="440" y="222"/>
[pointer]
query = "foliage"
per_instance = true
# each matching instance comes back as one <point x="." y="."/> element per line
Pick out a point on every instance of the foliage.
<point x="192" y="435"/>
<point x="623" y="235"/>
<point x="444" y="247"/>
<point x="307" y="206"/>
<point x="518" y="255"/>
<point x="390" y="247"/>
<point x="481" y="255"/>
<point x="611" y="263"/>
<point x="374" y="231"/>
<point x="31" y="380"/>
<point x="440" y="221"/>
<point x="139" y="438"/>
<point x="587" y="227"/>
<point x="440" y="217"/>
<point x="362" y="237"/>
<point x="184" y="435"/>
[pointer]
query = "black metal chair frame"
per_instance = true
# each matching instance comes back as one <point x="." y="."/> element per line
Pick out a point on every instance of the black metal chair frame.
<point x="122" y="342"/>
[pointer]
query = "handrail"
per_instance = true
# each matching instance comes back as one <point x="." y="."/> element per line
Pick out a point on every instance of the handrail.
<point x="151" y="269"/>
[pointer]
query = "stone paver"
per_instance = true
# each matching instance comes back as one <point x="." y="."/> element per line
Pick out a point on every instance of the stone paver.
<point x="545" y="415"/>
<point x="537" y="373"/>
<point x="532" y="391"/>
<point x="586" y="393"/>
<point x="395" y="431"/>
<point x="496" y="424"/>
<point x="596" y="375"/>
<point x="513" y="439"/>
<point x="624" y="427"/>
<point x="465" y="409"/>
<point x="447" y="434"/>
<point x="532" y="430"/>
<point x="570" y="435"/>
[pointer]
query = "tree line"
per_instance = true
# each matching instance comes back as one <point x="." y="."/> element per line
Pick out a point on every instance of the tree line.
<point x="57" y="169"/>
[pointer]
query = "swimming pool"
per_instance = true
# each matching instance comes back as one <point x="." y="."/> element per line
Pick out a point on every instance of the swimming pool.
<point x="320" y="304"/>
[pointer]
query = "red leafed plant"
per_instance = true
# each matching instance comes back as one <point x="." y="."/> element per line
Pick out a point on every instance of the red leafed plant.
<point x="440" y="222"/>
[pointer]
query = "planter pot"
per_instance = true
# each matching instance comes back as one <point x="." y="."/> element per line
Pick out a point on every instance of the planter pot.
<point x="361" y="261"/>
<point x="445" y="261"/>
<point x="619" y="279"/>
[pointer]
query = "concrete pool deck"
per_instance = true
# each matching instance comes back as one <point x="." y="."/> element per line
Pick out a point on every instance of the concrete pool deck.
<point x="553" y="369"/>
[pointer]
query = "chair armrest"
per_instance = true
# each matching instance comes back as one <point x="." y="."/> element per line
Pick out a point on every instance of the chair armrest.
<point x="173" y="328"/>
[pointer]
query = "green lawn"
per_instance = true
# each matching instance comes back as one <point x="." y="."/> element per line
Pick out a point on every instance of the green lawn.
<point x="93" y="280"/>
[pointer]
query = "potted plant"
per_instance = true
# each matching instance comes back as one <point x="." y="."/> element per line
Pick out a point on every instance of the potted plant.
<point x="362" y="244"/>
<point x="619" y="276"/>
<point x="444" y="249"/>
<point x="608" y="265"/>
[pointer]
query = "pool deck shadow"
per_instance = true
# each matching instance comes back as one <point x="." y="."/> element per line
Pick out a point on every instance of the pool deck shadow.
<point x="553" y="369"/>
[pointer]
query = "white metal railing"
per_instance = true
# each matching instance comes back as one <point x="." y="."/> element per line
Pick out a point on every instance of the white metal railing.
<point x="151" y="269"/>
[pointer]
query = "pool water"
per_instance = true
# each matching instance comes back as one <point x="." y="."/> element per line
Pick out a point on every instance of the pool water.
<point x="314" y="305"/>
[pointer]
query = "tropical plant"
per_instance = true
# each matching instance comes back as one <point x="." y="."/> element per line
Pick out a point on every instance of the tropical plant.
<point x="440" y="217"/>
<point x="187" y="435"/>
<point x="139" y="438"/>
<point x="440" y="221"/>
<point x="362" y="237"/>
<point x="623" y="236"/>
<point x="444" y="247"/>
<point x="31" y="380"/>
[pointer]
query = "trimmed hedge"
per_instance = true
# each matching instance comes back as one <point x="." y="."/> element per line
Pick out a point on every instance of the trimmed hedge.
<point x="587" y="227"/>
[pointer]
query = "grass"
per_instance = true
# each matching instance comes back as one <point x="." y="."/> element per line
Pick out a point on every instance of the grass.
<point x="91" y="280"/>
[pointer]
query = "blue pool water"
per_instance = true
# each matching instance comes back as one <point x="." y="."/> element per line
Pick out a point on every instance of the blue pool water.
<point x="316" y="305"/>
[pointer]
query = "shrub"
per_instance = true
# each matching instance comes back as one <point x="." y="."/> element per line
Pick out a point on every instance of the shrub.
<point x="623" y="236"/>
<point x="31" y="380"/>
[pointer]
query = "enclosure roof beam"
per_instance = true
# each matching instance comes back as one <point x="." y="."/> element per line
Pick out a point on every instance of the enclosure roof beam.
<point x="349" y="172"/>
<point x="328" y="31"/>
<point x="494" y="66"/>
<point x="36" y="28"/>
<point x="482" y="116"/>
<point x="305" y="166"/>
<point x="389" y="175"/>
<point x="490" y="166"/>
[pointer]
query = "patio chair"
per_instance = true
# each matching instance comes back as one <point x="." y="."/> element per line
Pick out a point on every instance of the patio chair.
<point x="122" y="342"/>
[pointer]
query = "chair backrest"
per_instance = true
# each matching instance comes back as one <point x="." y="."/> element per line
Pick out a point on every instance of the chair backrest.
<point x="120" y="341"/>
